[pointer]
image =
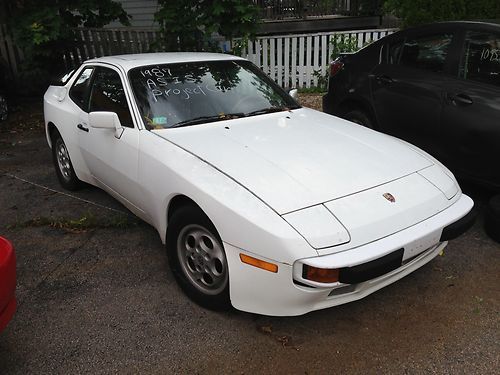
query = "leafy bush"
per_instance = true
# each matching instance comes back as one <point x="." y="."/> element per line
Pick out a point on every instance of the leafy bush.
<point x="417" y="12"/>
<point x="189" y="25"/>
<point x="44" y="29"/>
<point x="340" y="43"/>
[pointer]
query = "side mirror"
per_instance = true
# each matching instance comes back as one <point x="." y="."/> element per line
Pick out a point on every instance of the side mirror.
<point x="294" y="93"/>
<point x="106" y="120"/>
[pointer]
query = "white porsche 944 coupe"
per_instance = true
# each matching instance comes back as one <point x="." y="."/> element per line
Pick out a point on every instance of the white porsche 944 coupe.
<point x="262" y="204"/>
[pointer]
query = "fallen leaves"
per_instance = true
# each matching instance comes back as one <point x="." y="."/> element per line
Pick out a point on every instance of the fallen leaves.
<point x="285" y="340"/>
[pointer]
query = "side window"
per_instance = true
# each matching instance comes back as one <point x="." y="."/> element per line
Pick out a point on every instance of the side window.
<point x="394" y="52"/>
<point x="108" y="95"/>
<point x="481" y="57"/>
<point x="79" y="90"/>
<point x="63" y="79"/>
<point x="427" y="53"/>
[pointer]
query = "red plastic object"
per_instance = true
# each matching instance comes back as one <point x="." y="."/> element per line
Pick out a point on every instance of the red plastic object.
<point x="7" y="282"/>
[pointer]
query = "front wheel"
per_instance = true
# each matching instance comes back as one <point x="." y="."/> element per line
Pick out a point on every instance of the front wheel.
<point x="198" y="259"/>
<point x="62" y="164"/>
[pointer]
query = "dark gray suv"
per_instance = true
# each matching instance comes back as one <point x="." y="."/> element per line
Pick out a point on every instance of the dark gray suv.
<point x="436" y="86"/>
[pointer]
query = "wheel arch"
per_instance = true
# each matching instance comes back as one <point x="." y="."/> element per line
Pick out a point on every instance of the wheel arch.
<point x="357" y="103"/>
<point x="180" y="200"/>
<point x="51" y="132"/>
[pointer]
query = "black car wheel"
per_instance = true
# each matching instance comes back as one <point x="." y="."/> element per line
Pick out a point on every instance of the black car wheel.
<point x="359" y="117"/>
<point x="492" y="218"/>
<point x="197" y="258"/>
<point x="4" y="109"/>
<point x="62" y="163"/>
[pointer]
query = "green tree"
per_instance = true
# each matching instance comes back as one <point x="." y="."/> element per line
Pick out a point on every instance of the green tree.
<point x="45" y="28"/>
<point x="188" y="25"/>
<point x="370" y="7"/>
<point x="417" y="12"/>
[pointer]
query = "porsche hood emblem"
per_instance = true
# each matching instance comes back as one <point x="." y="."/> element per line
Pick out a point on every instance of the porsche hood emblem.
<point x="389" y="197"/>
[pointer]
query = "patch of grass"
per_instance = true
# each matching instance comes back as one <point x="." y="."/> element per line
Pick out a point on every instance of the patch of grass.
<point x="86" y="222"/>
<point x="312" y="90"/>
<point x="478" y="304"/>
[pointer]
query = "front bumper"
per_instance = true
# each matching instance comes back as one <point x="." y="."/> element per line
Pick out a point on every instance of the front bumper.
<point x="459" y="227"/>
<point x="285" y="293"/>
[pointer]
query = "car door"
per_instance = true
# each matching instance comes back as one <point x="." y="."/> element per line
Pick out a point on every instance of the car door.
<point x="407" y="87"/>
<point x="471" y="115"/>
<point x="111" y="160"/>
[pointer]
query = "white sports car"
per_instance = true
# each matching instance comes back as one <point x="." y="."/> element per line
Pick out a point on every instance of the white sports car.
<point x="262" y="204"/>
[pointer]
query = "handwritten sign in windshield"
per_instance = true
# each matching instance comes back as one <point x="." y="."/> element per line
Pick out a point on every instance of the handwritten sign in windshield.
<point x="164" y="84"/>
<point x="490" y="54"/>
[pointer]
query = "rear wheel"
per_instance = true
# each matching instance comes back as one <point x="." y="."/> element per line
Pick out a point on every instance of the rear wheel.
<point x="359" y="117"/>
<point x="198" y="259"/>
<point x="62" y="164"/>
<point x="492" y="218"/>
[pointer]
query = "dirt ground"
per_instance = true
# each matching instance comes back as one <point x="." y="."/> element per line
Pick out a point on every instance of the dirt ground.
<point x="96" y="295"/>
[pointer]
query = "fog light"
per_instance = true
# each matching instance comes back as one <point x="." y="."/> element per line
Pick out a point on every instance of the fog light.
<point x="259" y="263"/>
<point x="320" y="275"/>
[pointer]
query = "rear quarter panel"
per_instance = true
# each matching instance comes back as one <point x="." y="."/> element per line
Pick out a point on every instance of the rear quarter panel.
<point x="63" y="114"/>
<point x="352" y="84"/>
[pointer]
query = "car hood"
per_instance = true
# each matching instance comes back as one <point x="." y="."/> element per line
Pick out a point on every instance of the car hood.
<point x="296" y="159"/>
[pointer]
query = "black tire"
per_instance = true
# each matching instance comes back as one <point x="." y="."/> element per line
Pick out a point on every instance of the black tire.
<point x="4" y="108"/>
<point x="197" y="258"/>
<point x="62" y="164"/>
<point x="492" y="218"/>
<point x="359" y="117"/>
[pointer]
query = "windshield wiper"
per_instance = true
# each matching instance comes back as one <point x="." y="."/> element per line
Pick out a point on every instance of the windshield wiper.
<point x="270" y="110"/>
<point x="205" y="119"/>
<point x="230" y="116"/>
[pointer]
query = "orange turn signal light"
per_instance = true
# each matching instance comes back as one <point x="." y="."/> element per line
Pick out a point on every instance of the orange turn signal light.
<point x="259" y="263"/>
<point x="320" y="275"/>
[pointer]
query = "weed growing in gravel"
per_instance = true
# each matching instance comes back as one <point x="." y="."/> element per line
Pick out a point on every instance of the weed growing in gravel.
<point x="86" y="222"/>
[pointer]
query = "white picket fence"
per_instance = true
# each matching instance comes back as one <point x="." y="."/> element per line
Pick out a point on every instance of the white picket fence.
<point x="291" y="60"/>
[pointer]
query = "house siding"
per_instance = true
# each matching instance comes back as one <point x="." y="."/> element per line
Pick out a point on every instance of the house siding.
<point x="141" y="11"/>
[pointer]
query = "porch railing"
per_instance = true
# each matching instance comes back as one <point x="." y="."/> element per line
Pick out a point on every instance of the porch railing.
<point x="285" y="9"/>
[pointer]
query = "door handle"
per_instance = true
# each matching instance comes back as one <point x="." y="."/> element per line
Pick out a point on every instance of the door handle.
<point x="384" y="79"/>
<point x="460" y="99"/>
<point x="81" y="127"/>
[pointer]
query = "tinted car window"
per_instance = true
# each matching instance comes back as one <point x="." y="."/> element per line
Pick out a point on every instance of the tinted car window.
<point x="108" y="95"/>
<point x="394" y="51"/>
<point x="481" y="59"/>
<point x="428" y="52"/>
<point x="62" y="79"/>
<point x="79" y="90"/>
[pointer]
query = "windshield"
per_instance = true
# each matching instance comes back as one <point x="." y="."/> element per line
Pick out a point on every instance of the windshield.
<point x="182" y="94"/>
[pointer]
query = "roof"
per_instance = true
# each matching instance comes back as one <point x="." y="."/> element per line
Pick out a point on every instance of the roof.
<point x="141" y="59"/>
